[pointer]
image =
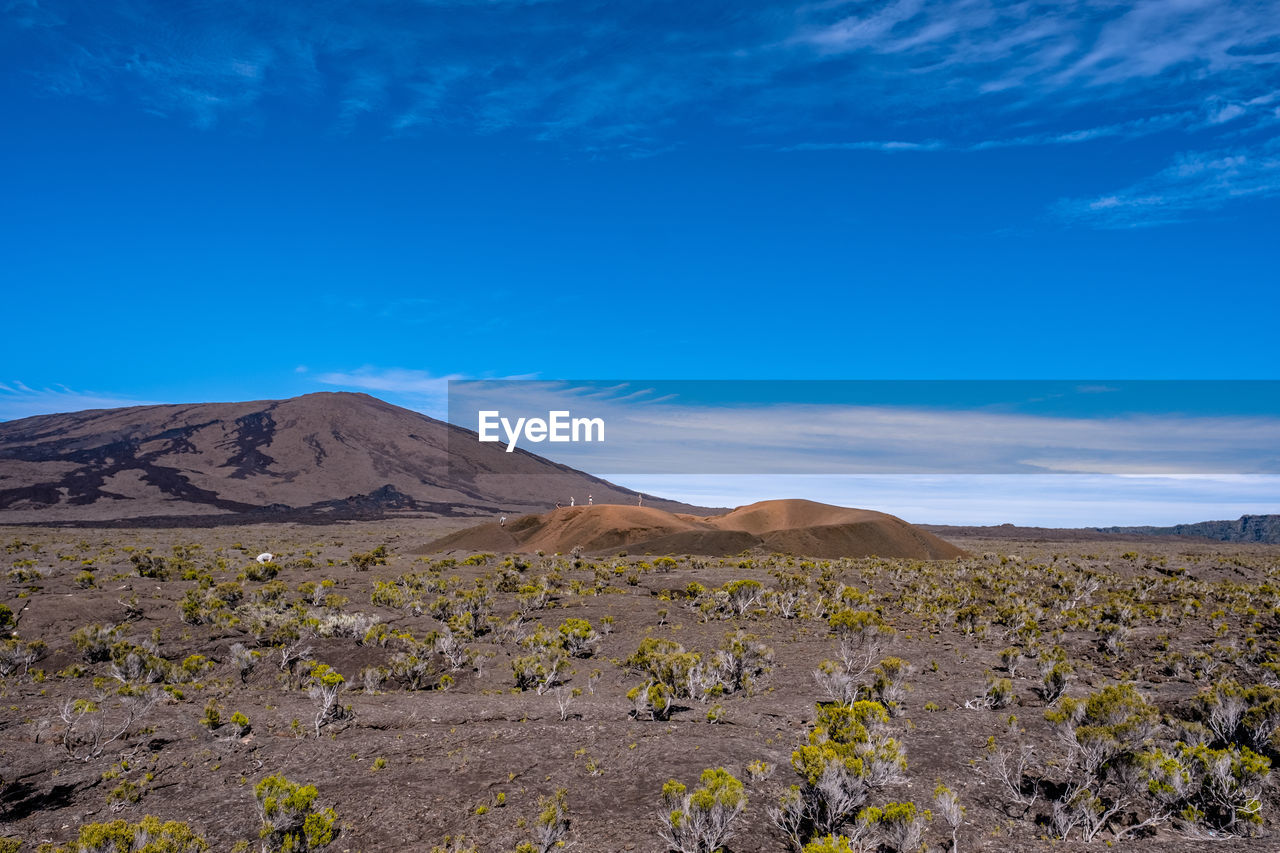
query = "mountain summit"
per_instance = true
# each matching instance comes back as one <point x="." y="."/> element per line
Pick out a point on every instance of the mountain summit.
<point x="323" y="455"/>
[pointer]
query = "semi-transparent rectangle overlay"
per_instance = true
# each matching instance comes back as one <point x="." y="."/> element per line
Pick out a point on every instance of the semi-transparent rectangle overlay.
<point x="1148" y="427"/>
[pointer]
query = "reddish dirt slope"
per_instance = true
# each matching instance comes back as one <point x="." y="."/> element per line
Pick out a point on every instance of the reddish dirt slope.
<point x="769" y="516"/>
<point x="786" y="526"/>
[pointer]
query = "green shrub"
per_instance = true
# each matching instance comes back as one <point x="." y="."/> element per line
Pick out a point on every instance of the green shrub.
<point x="665" y="662"/>
<point x="126" y="792"/>
<point x="148" y="566"/>
<point x="261" y="571"/>
<point x="1107" y="724"/>
<point x="324" y="685"/>
<point x="702" y="820"/>
<point x="891" y="683"/>
<point x="290" y="821"/>
<point x="95" y="641"/>
<point x="738" y="664"/>
<point x="15" y="653"/>
<point x="148" y="835"/>
<point x="212" y="716"/>
<point x="364" y="562"/>
<point x="544" y="665"/>
<point x="578" y="638"/>
<point x="849" y="753"/>
<point x="831" y="844"/>
<point x="552" y="824"/>
<point x="1054" y="676"/>
<point x="898" y="826"/>
<point x="999" y="694"/>
<point x="1231" y="782"/>
<point x="743" y="595"/>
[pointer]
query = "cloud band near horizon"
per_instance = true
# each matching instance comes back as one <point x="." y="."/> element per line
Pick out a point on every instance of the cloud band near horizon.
<point x="968" y="428"/>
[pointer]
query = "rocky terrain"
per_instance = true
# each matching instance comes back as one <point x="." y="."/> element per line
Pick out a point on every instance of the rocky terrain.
<point x="1028" y="695"/>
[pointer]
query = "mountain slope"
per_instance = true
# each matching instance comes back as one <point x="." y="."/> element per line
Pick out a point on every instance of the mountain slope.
<point x="784" y="526"/>
<point x="1246" y="528"/>
<point x="321" y="455"/>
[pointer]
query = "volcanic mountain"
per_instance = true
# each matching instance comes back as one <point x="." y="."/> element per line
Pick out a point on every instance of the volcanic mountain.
<point x="783" y="526"/>
<point x="321" y="456"/>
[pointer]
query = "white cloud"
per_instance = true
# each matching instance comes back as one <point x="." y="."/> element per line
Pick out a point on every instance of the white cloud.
<point x="420" y="390"/>
<point x="1195" y="182"/>
<point x="17" y="400"/>
<point x="1226" y="113"/>
<point x="997" y="46"/>
<point x="1122" y="130"/>
<point x="604" y="78"/>
<point x="559" y="69"/>
<point x="648" y="435"/>
<point x="869" y="145"/>
<point x="1051" y="500"/>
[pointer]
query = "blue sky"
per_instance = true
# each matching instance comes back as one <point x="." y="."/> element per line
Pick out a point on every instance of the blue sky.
<point x="242" y="200"/>
<point x="1049" y="453"/>
<point x="1170" y="429"/>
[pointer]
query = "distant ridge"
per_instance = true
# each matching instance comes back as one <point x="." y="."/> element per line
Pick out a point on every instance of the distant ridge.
<point x="1247" y="528"/>
<point x="318" y="457"/>
<point x="1256" y="529"/>
<point x="798" y="527"/>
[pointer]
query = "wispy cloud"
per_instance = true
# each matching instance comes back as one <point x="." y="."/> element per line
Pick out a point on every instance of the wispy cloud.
<point x="1043" y="51"/>
<point x="1078" y="500"/>
<point x="869" y="145"/>
<point x="646" y="434"/>
<point x="28" y="14"/>
<point x="556" y="68"/>
<point x="17" y="400"/>
<point x="637" y="80"/>
<point x="1122" y="130"/>
<point x="1209" y="64"/>
<point x="418" y="389"/>
<point x="1194" y="183"/>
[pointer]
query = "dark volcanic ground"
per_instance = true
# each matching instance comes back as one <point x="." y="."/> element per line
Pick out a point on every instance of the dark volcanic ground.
<point x="413" y="766"/>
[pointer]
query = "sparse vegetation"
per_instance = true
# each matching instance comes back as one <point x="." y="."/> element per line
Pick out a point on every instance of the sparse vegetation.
<point x="149" y="835"/>
<point x="1146" y="693"/>
<point x="290" y="820"/>
<point x="702" y="820"/>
